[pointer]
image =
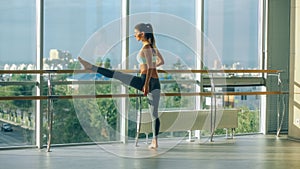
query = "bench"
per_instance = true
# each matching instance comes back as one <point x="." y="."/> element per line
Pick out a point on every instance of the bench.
<point x="189" y="120"/>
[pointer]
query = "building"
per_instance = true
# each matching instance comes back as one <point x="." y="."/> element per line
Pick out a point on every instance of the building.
<point x="276" y="48"/>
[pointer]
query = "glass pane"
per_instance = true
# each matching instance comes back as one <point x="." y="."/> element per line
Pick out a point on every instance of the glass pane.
<point x="17" y="32"/>
<point x="17" y="52"/>
<point x="233" y="28"/>
<point x="17" y="122"/>
<point x="17" y="117"/>
<point x="249" y="106"/>
<point x="65" y="123"/>
<point x="174" y="29"/>
<point x="69" y="24"/>
<point x="73" y="28"/>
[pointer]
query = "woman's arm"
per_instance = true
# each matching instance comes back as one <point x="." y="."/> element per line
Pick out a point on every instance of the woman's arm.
<point x="160" y="60"/>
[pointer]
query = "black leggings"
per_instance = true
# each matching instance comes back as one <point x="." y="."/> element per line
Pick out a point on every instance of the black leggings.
<point x="138" y="83"/>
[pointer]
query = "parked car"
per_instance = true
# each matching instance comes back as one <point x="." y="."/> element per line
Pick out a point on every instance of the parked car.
<point x="6" y="127"/>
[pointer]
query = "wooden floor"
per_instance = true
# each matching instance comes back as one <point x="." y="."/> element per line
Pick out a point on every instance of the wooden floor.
<point x="242" y="152"/>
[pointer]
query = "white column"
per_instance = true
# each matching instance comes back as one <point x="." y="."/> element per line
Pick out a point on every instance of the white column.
<point x="39" y="62"/>
<point x="199" y="65"/>
<point x="124" y="65"/>
<point x="264" y="42"/>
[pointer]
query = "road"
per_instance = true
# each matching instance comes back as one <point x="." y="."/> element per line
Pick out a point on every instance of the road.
<point x="18" y="137"/>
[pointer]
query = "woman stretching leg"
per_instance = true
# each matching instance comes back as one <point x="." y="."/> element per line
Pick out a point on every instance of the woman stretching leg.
<point x="149" y="58"/>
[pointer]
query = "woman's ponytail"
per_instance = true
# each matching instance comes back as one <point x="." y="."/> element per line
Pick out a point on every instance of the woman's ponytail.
<point x="151" y="38"/>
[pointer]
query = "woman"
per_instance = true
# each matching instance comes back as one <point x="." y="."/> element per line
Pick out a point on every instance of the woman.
<point x="149" y="59"/>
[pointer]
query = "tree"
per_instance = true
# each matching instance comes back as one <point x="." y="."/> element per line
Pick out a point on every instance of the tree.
<point x="107" y="63"/>
<point x="66" y="126"/>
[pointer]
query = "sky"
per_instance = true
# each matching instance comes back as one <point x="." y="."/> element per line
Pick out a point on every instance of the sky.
<point x="231" y="28"/>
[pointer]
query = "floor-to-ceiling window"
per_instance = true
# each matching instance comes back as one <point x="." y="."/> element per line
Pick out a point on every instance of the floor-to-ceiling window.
<point x="75" y="28"/>
<point x="232" y="39"/>
<point x="17" y="52"/>
<point x="234" y="28"/>
<point x="174" y="26"/>
<point x="233" y="33"/>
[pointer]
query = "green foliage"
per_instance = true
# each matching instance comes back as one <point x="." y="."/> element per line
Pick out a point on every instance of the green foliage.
<point x="21" y="77"/>
<point x="105" y="63"/>
<point x="66" y="127"/>
<point x="248" y="121"/>
<point x="12" y="106"/>
<point x="21" y="90"/>
<point x="74" y="65"/>
<point x="100" y="116"/>
<point x="108" y="113"/>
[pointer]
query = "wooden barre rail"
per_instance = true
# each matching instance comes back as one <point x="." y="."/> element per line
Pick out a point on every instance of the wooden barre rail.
<point x="137" y="71"/>
<point x="136" y="95"/>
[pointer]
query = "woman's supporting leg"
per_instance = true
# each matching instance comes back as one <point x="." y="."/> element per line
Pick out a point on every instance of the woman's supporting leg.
<point x="154" y="97"/>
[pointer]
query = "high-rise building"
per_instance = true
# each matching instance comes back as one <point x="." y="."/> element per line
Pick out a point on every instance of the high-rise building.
<point x="54" y="54"/>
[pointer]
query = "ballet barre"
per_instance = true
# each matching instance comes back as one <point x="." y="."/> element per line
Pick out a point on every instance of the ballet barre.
<point x="54" y="97"/>
<point x="50" y="97"/>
